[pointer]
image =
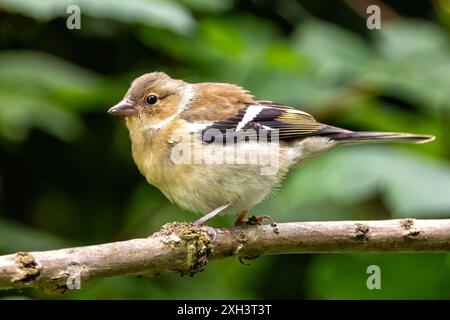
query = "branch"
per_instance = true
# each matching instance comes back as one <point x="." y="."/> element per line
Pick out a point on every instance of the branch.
<point x="186" y="249"/>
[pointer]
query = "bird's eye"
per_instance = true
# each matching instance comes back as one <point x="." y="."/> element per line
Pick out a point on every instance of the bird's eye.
<point x="152" y="99"/>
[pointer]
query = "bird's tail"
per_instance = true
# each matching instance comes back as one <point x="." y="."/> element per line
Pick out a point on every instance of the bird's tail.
<point x="379" y="137"/>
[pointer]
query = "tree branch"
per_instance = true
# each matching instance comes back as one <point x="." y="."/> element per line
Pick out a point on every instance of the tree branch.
<point x="186" y="249"/>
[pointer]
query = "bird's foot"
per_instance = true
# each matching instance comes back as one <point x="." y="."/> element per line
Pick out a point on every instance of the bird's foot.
<point x="258" y="220"/>
<point x="211" y="214"/>
<point x="241" y="218"/>
<point x="254" y="220"/>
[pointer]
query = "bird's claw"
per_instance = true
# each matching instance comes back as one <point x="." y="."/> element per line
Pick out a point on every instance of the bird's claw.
<point x="212" y="233"/>
<point x="258" y="220"/>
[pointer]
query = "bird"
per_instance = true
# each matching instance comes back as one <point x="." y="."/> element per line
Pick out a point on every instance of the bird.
<point x="213" y="148"/>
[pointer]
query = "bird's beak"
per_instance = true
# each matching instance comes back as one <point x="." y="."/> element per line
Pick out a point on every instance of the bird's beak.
<point x="123" y="108"/>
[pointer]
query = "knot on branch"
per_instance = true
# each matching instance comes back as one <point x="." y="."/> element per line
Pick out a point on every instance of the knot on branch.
<point x="362" y="232"/>
<point x="28" y="272"/>
<point x="192" y="237"/>
<point x="408" y="225"/>
<point x="28" y="269"/>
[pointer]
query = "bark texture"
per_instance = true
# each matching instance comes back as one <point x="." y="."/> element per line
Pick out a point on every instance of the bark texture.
<point x="186" y="248"/>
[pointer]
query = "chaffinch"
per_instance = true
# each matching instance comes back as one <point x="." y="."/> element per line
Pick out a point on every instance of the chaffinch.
<point x="211" y="147"/>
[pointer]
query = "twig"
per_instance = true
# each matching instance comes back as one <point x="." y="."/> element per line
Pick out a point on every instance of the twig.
<point x="186" y="248"/>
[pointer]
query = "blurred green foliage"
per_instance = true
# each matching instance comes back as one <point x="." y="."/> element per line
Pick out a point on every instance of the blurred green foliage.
<point x="67" y="177"/>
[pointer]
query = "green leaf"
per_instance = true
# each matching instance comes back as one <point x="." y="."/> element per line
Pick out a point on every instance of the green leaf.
<point x="37" y="73"/>
<point x="208" y="6"/>
<point x="39" y="90"/>
<point x="332" y="50"/>
<point x="410" y="37"/>
<point x="15" y="237"/>
<point x="19" y="114"/>
<point x="402" y="276"/>
<point x="416" y="65"/>
<point x="410" y="184"/>
<point x="165" y="14"/>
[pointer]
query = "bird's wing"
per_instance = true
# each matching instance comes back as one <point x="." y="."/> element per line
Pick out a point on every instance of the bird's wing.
<point x="229" y="110"/>
<point x="290" y="123"/>
<point x="257" y="117"/>
<point x="216" y="102"/>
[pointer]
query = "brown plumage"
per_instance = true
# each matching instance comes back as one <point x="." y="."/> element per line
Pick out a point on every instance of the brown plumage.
<point x="216" y="101"/>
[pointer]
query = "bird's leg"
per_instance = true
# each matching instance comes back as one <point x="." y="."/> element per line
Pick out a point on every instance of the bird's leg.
<point x="254" y="220"/>
<point x="211" y="214"/>
<point x="241" y="218"/>
<point x="260" y="219"/>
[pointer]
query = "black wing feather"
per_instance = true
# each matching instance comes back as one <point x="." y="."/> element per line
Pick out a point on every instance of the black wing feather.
<point x="285" y="122"/>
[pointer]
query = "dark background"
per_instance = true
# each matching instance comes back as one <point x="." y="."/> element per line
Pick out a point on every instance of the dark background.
<point x="67" y="177"/>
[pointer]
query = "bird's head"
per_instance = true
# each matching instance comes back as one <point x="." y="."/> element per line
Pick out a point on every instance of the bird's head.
<point x="151" y="99"/>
